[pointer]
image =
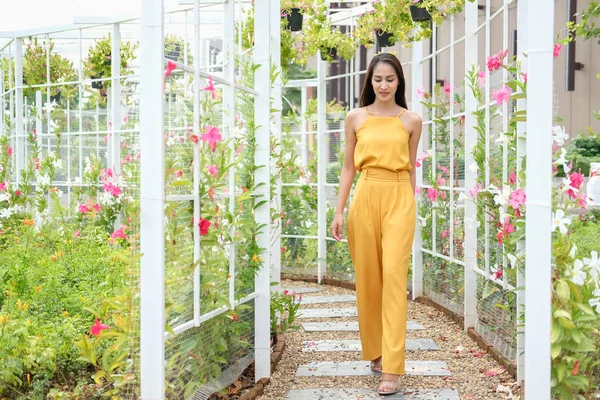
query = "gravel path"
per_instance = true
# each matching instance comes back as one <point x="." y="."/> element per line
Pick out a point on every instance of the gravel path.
<point x="475" y="375"/>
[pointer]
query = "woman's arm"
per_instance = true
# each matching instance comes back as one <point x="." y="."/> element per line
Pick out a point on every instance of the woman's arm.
<point x="346" y="177"/>
<point x="348" y="169"/>
<point x="413" y="145"/>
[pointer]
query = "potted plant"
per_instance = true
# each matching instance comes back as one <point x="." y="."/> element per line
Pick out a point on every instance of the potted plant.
<point x="293" y="11"/>
<point x="384" y="39"/>
<point x="174" y="46"/>
<point x="98" y="63"/>
<point x="419" y="13"/>
<point x="394" y="17"/>
<point x="35" y="70"/>
<point x="332" y="43"/>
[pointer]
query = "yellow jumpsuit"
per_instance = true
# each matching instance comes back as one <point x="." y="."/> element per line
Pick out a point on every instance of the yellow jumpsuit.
<point x="381" y="227"/>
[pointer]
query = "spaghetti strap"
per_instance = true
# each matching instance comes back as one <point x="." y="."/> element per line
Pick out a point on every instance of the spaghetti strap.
<point x="367" y="111"/>
<point x="401" y="112"/>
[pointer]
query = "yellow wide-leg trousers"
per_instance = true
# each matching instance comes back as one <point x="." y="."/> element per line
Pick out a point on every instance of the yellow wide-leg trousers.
<point x="381" y="228"/>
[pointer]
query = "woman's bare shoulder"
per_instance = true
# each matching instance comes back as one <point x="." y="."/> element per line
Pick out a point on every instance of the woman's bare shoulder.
<point x="413" y="121"/>
<point x="355" y="114"/>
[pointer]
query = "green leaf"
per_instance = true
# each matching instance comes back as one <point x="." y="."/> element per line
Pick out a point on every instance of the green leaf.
<point x="562" y="290"/>
<point x="556" y="333"/>
<point x="566" y="323"/>
<point x="97" y="377"/>
<point x="556" y="349"/>
<point x="562" y="313"/>
<point x="586" y="309"/>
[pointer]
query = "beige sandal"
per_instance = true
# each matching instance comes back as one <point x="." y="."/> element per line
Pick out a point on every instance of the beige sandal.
<point x="388" y="384"/>
<point x="374" y="365"/>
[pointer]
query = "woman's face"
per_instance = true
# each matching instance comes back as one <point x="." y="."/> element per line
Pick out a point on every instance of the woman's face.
<point x="385" y="81"/>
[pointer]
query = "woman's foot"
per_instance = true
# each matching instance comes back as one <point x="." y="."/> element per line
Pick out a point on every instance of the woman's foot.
<point x="376" y="365"/>
<point x="388" y="384"/>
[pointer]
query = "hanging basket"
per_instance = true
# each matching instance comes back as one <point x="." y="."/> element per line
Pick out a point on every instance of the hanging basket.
<point x="174" y="54"/>
<point x="97" y="84"/>
<point x="383" y="38"/>
<point x="55" y="97"/>
<point x="419" y="14"/>
<point x="327" y="54"/>
<point x="294" y="20"/>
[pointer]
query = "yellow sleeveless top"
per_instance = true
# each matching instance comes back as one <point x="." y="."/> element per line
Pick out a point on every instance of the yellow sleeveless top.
<point x="382" y="142"/>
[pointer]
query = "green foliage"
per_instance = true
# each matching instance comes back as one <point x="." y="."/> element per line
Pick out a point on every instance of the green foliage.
<point x="35" y="69"/>
<point x="582" y="151"/>
<point x="284" y="311"/>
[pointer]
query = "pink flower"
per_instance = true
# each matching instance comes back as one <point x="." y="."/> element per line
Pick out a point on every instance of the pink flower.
<point x="170" y="67"/>
<point x="98" y="327"/>
<point x="97" y="207"/>
<point x="83" y="209"/>
<point x="211" y="87"/>
<point x="179" y="173"/>
<point x="517" y="198"/>
<point x="576" y="180"/>
<point x="445" y="234"/>
<point x="440" y="180"/>
<point x="481" y="76"/>
<point x="128" y="158"/>
<point x="444" y="169"/>
<point x="525" y="77"/>
<point x="443" y="194"/>
<point x="203" y="225"/>
<point x="512" y="177"/>
<point x="213" y="170"/>
<point x="432" y="194"/>
<point x="10" y="151"/>
<point x="495" y="62"/>
<point x="119" y="234"/>
<point x="556" y="50"/>
<point x="17" y="193"/>
<point x="194" y="138"/>
<point x="417" y="190"/>
<point x="498" y="273"/>
<point x="447" y="88"/>
<point x="111" y="188"/>
<point x="422" y="156"/>
<point x="506" y="229"/>
<point x="212" y="136"/>
<point x="501" y="95"/>
<point x="3" y="186"/>
<point x="420" y="93"/>
<point x="76" y="234"/>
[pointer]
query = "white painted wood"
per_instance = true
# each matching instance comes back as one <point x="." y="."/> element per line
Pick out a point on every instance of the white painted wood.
<point x="152" y="188"/>
<point x="539" y="200"/>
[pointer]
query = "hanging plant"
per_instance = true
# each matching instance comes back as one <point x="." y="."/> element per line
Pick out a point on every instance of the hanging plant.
<point x="99" y="61"/>
<point x="395" y="17"/>
<point x="293" y="11"/>
<point x="384" y="39"/>
<point x="35" y="71"/>
<point x="174" y="49"/>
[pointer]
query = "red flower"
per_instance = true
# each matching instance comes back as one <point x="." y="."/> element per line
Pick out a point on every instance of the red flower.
<point x="98" y="327"/>
<point x="575" y="368"/>
<point x="170" y="67"/>
<point x="204" y="224"/>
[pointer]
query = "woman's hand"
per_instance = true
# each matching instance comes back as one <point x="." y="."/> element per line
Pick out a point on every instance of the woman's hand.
<point x="337" y="227"/>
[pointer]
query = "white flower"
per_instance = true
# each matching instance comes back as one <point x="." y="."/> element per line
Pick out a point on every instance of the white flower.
<point x="4" y="197"/>
<point x="578" y="275"/>
<point x="473" y="167"/>
<point x="559" y="135"/>
<point x="171" y="141"/>
<point x="239" y="132"/>
<point x="562" y="160"/>
<point x="502" y="197"/>
<point x="560" y="221"/>
<point x="308" y="224"/>
<point x="49" y="107"/>
<point x="57" y="163"/>
<point x="423" y="221"/>
<point x="573" y="251"/>
<point x="461" y="197"/>
<point x="502" y="139"/>
<point x="53" y="125"/>
<point x="593" y="264"/>
<point x="595" y="302"/>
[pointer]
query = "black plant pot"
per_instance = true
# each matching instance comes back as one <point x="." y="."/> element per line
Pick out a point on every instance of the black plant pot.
<point x="97" y="84"/>
<point x="55" y="97"/>
<point x="174" y="54"/>
<point x="419" y="14"/>
<point x="295" y="20"/>
<point x="383" y="38"/>
<point x="328" y="53"/>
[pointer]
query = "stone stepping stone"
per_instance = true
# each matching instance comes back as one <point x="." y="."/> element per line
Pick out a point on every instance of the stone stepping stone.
<point x="340" y="298"/>
<point x="368" y="394"/>
<point x="298" y="290"/>
<point x="327" y="312"/>
<point x="348" y="326"/>
<point x="354" y="345"/>
<point x="363" y="368"/>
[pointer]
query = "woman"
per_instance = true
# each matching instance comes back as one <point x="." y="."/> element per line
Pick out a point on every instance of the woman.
<point x="381" y="142"/>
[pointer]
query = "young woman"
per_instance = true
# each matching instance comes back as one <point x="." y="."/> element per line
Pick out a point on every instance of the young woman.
<point x="381" y="143"/>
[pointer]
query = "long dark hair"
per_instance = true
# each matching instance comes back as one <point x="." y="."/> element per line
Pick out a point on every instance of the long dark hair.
<point x="367" y="96"/>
